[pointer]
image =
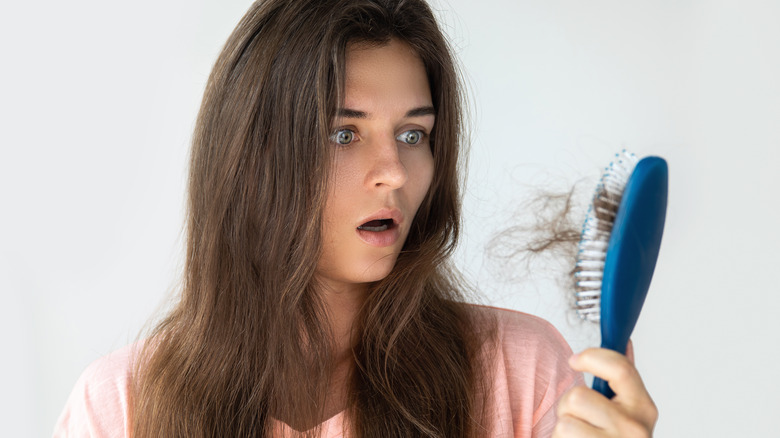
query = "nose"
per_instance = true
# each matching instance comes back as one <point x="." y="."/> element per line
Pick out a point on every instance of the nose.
<point x="386" y="168"/>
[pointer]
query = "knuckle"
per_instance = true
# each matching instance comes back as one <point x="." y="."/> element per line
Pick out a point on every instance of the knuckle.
<point x="625" y="371"/>
<point x="563" y="404"/>
<point x="634" y="429"/>
<point x="652" y="412"/>
<point x="577" y="395"/>
<point x="564" y="427"/>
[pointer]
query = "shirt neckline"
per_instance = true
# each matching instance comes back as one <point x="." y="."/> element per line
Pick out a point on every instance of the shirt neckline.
<point x="329" y="428"/>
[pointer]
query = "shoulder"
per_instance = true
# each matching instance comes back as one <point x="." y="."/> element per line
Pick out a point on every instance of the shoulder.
<point x="529" y="371"/>
<point x="98" y="405"/>
<point x="518" y="331"/>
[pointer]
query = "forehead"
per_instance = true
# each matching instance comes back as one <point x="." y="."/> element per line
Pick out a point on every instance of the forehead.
<point x="386" y="72"/>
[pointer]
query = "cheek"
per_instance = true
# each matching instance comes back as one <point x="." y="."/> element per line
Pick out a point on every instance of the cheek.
<point x="423" y="175"/>
<point x="345" y="175"/>
<point x="332" y="207"/>
<point x="343" y="190"/>
<point x="338" y="187"/>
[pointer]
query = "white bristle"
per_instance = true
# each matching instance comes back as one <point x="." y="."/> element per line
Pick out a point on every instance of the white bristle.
<point x="605" y="211"/>
<point x="595" y="235"/>
<point x="593" y="244"/>
<point x="590" y="293"/>
<point x="590" y="264"/>
<point x="592" y="254"/>
<point x="589" y="284"/>
<point x="588" y="274"/>
<point x="589" y="302"/>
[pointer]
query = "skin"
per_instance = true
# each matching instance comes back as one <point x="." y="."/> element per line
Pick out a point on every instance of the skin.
<point x="377" y="169"/>
<point x="583" y="412"/>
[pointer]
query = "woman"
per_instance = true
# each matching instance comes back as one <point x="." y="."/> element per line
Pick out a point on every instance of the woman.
<point x="317" y="296"/>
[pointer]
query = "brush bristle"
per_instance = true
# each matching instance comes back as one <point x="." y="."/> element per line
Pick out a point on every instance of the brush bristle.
<point x="596" y="231"/>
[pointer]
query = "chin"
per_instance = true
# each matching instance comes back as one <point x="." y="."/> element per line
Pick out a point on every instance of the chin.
<point x="378" y="270"/>
<point x="358" y="269"/>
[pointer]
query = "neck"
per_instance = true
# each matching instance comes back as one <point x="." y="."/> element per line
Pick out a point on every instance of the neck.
<point x="344" y="303"/>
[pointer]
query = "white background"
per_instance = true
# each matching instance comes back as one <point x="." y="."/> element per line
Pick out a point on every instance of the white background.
<point x="98" y="102"/>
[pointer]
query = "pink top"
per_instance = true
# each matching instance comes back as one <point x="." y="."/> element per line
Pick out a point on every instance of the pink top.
<point x="530" y="373"/>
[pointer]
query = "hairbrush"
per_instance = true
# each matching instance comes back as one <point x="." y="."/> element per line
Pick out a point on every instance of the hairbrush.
<point x="618" y="248"/>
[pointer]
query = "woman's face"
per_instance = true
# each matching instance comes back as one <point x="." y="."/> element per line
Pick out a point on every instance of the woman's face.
<point x="382" y="165"/>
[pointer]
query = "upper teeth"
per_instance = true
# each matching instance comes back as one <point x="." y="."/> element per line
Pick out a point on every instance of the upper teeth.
<point x="385" y="224"/>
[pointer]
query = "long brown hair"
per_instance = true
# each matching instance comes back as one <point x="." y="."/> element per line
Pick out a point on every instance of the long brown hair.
<point x="249" y="339"/>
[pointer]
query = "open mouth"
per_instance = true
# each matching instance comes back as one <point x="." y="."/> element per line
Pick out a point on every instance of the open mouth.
<point x="377" y="225"/>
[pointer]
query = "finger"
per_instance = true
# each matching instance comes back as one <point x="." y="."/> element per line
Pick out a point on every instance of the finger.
<point x="630" y="352"/>
<point x="572" y="427"/>
<point x="631" y="395"/>
<point x="616" y="369"/>
<point x="587" y="405"/>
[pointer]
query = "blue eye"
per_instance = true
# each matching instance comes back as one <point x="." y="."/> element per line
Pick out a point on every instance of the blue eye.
<point x="342" y="137"/>
<point x="412" y="137"/>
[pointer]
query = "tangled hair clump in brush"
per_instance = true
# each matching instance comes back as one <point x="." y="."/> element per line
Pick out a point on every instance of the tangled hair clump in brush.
<point x="542" y="242"/>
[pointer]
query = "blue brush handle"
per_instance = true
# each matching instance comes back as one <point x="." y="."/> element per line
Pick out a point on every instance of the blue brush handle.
<point x="631" y="255"/>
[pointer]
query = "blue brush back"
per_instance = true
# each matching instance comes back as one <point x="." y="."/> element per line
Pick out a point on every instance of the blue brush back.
<point x="631" y="255"/>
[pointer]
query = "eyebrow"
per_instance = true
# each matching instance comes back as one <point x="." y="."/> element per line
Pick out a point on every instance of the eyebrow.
<point x="347" y="113"/>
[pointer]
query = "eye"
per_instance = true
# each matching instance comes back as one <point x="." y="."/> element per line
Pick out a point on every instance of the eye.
<point x="342" y="136"/>
<point x="412" y="137"/>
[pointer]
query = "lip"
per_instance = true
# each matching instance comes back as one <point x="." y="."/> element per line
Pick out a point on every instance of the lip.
<point x="382" y="238"/>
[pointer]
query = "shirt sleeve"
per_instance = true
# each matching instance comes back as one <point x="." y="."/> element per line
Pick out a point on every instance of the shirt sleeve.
<point x="533" y="373"/>
<point x="98" y="405"/>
